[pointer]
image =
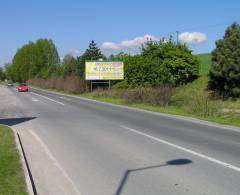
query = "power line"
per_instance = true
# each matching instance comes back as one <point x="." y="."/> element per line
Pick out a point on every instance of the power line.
<point x="203" y="27"/>
<point x="210" y="25"/>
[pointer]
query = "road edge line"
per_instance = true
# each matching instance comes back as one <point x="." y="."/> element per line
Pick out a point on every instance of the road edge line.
<point x="48" y="98"/>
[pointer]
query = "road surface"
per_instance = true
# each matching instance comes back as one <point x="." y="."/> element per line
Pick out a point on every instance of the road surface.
<point x="111" y="150"/>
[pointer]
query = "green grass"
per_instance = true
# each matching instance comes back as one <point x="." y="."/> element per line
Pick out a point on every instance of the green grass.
<point x="205" y="63"/>
<point x="182" y="93"/>
<point x="181" y="103"/>
<point x="12" y="181"/>
<point x="118" y="101"/>
<point x="188" y="100"/>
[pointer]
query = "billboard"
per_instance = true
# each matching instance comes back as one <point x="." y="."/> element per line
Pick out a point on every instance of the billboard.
<point x="104" y="70"/>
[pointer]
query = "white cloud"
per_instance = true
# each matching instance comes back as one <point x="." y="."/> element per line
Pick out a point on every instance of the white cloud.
<point x="192" y="37"/>
<point x="127" y="44"/>
<point x="137" y="42"/>
<point x="110" y="45"/>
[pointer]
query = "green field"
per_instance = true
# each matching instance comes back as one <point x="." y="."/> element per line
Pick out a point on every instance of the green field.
<point x="205" y="63"/>
<point x="12" y="179"/>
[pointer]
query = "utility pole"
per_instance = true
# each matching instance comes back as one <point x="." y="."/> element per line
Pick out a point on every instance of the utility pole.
<point x="177" y="33"/>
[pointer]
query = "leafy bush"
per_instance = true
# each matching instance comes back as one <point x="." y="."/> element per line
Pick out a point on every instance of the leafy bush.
<point x="225" y="70"/>
<point x="160" y="63"/>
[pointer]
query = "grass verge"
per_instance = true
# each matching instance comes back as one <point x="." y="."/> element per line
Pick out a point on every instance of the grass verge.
<point x="229" y="118"/>
<point x="12" y="179"/>
<point x="189" y="100"/>
<point x="205" y="63"/>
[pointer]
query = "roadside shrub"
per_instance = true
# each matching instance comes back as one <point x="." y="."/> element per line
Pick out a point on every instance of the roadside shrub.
<point x="201" y="104"/>
<point x="154" y="96"/>
<point x="132" y="96"/>
<point x="74" y="84"/>
<point x="71" y="83"/>
<point x="159" y="96"/>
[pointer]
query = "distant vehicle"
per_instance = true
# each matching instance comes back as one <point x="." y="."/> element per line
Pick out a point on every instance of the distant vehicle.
<point x="22" y="88"/>
<point x="10" y="84"/>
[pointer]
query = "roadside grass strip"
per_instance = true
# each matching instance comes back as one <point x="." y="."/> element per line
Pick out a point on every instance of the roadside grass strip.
<point x="12" y="181"/>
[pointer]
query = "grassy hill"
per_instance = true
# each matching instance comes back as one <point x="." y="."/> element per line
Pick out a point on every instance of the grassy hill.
<point x="205" y="61"/>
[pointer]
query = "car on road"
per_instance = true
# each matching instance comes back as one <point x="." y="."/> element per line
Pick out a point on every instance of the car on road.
<point x="22" y="88"/>
<point x="10" y="84"/>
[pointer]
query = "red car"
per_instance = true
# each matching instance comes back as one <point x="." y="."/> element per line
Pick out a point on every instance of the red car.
<point x="22" y="88"/>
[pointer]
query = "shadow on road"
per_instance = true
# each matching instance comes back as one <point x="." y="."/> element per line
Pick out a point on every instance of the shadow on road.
<point x="15" y="121"/>
<point x="168" y="163"/>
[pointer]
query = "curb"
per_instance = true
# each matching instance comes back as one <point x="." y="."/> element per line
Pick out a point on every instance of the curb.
<point x="30" y="189"/>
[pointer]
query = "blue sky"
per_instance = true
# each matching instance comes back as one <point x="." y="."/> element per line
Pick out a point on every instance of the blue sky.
<point x="71" y="24"/>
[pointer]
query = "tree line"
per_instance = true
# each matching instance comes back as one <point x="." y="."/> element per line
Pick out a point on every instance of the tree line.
<point x="158" y="63"/>
<point x="40" y="59"/>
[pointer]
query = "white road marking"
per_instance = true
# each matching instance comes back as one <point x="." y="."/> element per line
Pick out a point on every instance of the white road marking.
<point x="178" y="117"/>
<point x="48" y="98"/>
<point x="64" y="98"/>
<point x="35" y="100"/>
<point x="55" y="161"/>
<point x="184" y="149"/>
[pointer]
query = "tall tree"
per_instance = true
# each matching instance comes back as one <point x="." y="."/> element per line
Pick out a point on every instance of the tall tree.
<point x="225" y="69"/>
<point x="33" y="59"/>
<point x="70" y="65"/>
<point x="93" y="52"/>
<point x="47" y="55"/>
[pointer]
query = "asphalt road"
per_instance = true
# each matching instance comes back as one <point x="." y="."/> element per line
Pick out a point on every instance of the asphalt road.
<point x="112" y="150"/>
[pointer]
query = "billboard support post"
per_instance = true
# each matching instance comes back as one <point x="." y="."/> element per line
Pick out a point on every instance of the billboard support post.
<point x="97" y="82"/>
<point x="91" y="85"/>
